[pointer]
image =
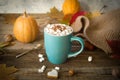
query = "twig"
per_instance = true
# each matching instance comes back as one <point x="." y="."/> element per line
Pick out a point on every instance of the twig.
<point x="103" y="8"/>
<point x="21" y="54"/>
<point x="36" y="47"/>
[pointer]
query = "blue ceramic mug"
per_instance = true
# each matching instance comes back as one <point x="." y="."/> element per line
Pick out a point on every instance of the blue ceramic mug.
<point x="58" y="48"/>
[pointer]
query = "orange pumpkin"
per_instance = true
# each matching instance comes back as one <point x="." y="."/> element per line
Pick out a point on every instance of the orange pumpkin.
<point x="25" y="28"/>
<point x="70" y="7"/>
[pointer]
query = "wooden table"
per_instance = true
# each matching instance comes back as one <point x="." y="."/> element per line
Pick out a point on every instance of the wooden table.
<point x="99" y="69"/>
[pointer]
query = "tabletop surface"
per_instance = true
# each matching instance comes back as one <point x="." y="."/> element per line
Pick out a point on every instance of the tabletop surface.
<point x="99" y="69"/>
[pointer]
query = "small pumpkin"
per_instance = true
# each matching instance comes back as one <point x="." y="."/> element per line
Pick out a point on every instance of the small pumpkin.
<point x="25" y="28"/>
<point x="70" y="7"/>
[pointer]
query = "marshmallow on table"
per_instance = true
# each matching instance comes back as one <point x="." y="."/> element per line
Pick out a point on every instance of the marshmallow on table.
<point x="89" y="58"/>
<point x="40" y="55"/>
<point x="57" y="68"/>
<point x="41" y="58"/>
<point x="41" y="70"/>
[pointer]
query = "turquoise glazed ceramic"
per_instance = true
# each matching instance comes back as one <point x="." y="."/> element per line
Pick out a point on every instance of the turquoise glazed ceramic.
<point x="58" y="48"/>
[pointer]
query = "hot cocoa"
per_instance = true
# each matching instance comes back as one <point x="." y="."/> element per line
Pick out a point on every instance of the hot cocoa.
<point x="57" y="43"/>
<point x="58" y="29"/>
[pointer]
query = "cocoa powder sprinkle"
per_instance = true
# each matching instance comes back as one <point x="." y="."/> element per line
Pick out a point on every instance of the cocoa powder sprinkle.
<point x="59" y="27"/>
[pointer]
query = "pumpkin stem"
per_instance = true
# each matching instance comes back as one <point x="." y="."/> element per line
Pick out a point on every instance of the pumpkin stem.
<point x="25" y="14"/>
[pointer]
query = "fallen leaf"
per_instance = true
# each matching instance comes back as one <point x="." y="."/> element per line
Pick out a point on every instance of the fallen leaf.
<point x="5" y="72"/>
<point x="4" y="44"/>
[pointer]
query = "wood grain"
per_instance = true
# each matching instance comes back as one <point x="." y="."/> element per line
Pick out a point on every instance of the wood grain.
<point x="99" y="69"/>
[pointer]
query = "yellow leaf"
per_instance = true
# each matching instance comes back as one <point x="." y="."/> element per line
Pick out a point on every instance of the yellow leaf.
<point x="55" y="14"/>
<point x="11" y="70"/>
<point x="6" y="71"/>
<point x="54" y="10"/>
<point x="94" y="14"/>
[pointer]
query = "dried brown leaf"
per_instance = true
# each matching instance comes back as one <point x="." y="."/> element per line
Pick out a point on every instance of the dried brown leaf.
<point x="5" y="72"/>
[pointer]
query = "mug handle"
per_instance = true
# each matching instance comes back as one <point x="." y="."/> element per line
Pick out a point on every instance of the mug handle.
<point x="80" y="40"/>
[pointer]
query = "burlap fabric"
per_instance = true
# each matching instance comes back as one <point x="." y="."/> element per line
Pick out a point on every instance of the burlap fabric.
<point x="103" y="28"/>
<point x="81" y="21"/>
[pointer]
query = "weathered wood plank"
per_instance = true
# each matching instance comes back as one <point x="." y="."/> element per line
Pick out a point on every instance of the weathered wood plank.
<point x="99" y="69"/>
<point x="28" y="66"/>
<point x="63" y="74"/>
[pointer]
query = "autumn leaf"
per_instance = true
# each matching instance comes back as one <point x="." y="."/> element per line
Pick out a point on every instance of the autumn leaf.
<point x="5" y="72"/>
<point x="55" y="14"/>
<point x="4" y="44"/>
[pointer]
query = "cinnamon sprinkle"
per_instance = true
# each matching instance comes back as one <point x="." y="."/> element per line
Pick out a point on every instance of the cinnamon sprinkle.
<point x="59" y="27"/>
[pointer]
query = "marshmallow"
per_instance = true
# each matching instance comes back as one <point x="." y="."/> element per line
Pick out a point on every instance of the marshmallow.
<point x="40" y="60"/>
<point x="41" y="70"/>
<point x="57" y="68"/>
<point x="89" y="58"/>
<point x="43" y="67"/>
<point x="55" y="33"/>
<point x="63" y="32"/>
<point x="51" y="31"/>
<point x="40" y="55"/>
<point x="58" y="29"/>
<point x="47" y="30"/>
<point x="66" y="31"/>
<point x="48" y="25"/>
<point x="58" y="34"/>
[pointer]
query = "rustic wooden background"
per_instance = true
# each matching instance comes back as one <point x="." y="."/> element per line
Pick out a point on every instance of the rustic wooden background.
<point x="99" y="69"/>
